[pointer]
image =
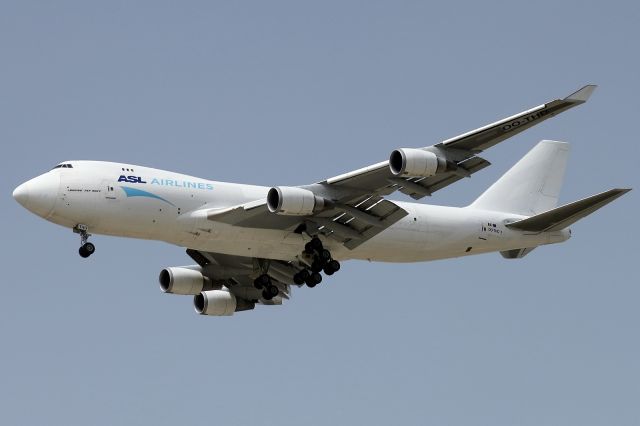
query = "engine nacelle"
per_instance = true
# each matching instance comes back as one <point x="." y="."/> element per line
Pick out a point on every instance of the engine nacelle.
<point x="183" y="280"/>
<point x="292" y="201"/>
<point x="215" y="302"/>
<point x="415" y="162"/>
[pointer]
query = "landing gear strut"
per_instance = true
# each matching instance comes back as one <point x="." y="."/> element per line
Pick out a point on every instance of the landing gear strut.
<point x="86" y="248"/>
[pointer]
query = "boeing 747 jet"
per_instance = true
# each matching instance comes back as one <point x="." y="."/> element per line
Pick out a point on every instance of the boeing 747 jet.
<point x="251" y="244"/>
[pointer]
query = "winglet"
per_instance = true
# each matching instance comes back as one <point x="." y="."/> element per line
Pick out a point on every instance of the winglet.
<point x="582" y="95"/>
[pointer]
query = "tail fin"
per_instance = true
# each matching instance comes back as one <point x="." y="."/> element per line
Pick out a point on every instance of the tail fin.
<point x="532" y="185"/>
<point x="562" y="217"/>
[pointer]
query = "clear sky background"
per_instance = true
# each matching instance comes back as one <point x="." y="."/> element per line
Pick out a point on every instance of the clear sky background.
<point x="280" y="93"/>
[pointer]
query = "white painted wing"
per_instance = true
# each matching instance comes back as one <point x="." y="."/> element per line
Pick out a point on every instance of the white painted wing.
<point x="377" y="178"/>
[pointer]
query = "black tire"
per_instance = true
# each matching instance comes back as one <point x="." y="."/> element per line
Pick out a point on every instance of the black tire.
<point x="325" y="255"/>
<point x="89" y="248"/>
<point x="328" y="270"/>
<point x="257" y="284"/>
<point x="83" y="253"/>
<point x="266" y="295"/>
<point x="297" y="279"/>
<point x="316" y="244"/>
<point x="335" y="265"/>
<point x="264" y="279"/>
<point x="316" y="266"/>
<point x="304" y="274"/>
<point x="308" y="248"/>
<point x="273" y="290"/>
<point x="310" y="283"/>
<point x="316" y="278"/>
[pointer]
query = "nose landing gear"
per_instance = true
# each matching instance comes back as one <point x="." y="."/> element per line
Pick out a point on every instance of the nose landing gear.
<point x="86" y="248"/>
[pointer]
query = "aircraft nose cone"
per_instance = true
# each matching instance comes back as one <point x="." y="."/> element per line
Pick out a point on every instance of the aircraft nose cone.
<point x="39" y="195"/>
<point x="21" y="194"/>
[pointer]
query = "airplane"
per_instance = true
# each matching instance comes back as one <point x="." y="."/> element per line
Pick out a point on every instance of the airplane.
<point x="251" y="244"/>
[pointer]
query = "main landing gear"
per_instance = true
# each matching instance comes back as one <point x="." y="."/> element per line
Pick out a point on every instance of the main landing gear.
<point x="86" y="248"/>
<point x="316" y="258"/>
<point x="263" y="282"/>
<point x="321" y="260"/>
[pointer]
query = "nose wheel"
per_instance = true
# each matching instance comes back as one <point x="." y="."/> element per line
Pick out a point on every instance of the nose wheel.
<point x="86" y="248"/>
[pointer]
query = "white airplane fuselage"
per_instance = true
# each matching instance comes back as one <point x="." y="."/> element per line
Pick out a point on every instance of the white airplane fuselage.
<point x="141" y="202"/>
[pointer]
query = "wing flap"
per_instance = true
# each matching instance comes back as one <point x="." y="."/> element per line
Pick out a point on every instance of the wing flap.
<point x="350" y="228"/>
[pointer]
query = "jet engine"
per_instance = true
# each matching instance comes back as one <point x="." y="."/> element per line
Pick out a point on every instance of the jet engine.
<point x="215" y="302"/>
<point x="415" y="162"/>
<point x="292" y="201"/>
<point x="183" y="280"/>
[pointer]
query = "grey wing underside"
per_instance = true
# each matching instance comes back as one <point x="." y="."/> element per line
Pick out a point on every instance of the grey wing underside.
<point x="237" y="274"/>
<point x="352" y="222"/>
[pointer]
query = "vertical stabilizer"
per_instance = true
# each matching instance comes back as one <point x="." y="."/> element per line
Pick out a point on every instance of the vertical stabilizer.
<point x="532" y="186"/>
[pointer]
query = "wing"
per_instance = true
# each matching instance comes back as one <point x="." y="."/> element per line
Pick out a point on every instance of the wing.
<point x="238" y="273"/>
<point x="351" y="222"/>
<point x="461" y="151"/>
<point x="354" y="209"/>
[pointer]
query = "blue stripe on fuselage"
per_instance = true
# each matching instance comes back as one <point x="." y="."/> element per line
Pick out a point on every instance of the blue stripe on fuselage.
<point x="135" y="192"/>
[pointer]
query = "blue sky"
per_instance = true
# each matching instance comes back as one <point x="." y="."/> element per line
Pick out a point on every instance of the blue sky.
<point x="285" y="93"/>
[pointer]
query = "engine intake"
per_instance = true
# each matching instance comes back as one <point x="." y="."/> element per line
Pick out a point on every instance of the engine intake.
<point x="183" y="280"/>
<point x="215" y="302"/>
<point x="292" y="201"/>
<point x="415" y="162"/>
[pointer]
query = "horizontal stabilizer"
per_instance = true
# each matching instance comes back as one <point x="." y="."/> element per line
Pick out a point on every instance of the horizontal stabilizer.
<point x="564" y="216"/>
<point x="516" y="253"/>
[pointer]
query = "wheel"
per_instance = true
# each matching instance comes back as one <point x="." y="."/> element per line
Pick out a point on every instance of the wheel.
<point x="313" y="279"/>
<point x="83" y="252"/>
<point x="257" y="283"/>
<point x="297" y="279"/>
<point x="335" y="265"/>
<point x="266" y="295"/>
<point x="263" y="280"/>
<point x="304" y="274"/>
<point x="328" y="270"/>
<point x="273" y="290"/>
<point x="316" y="244"/>
<point x="325" y="255"/>
<point x="89" y="248"/>
<point x="308" y="248"/>
<point x="316" y="266"/>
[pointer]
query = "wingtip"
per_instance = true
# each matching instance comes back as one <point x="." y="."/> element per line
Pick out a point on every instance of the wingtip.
<point x="617" y="192"/>
<point x="583" y="94"/>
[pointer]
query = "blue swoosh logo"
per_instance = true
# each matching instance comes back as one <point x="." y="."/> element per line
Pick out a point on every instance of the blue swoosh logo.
<point x="135" y="192"/>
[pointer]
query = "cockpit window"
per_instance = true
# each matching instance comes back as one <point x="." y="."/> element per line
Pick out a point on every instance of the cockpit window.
<point x="63" y="166"/>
